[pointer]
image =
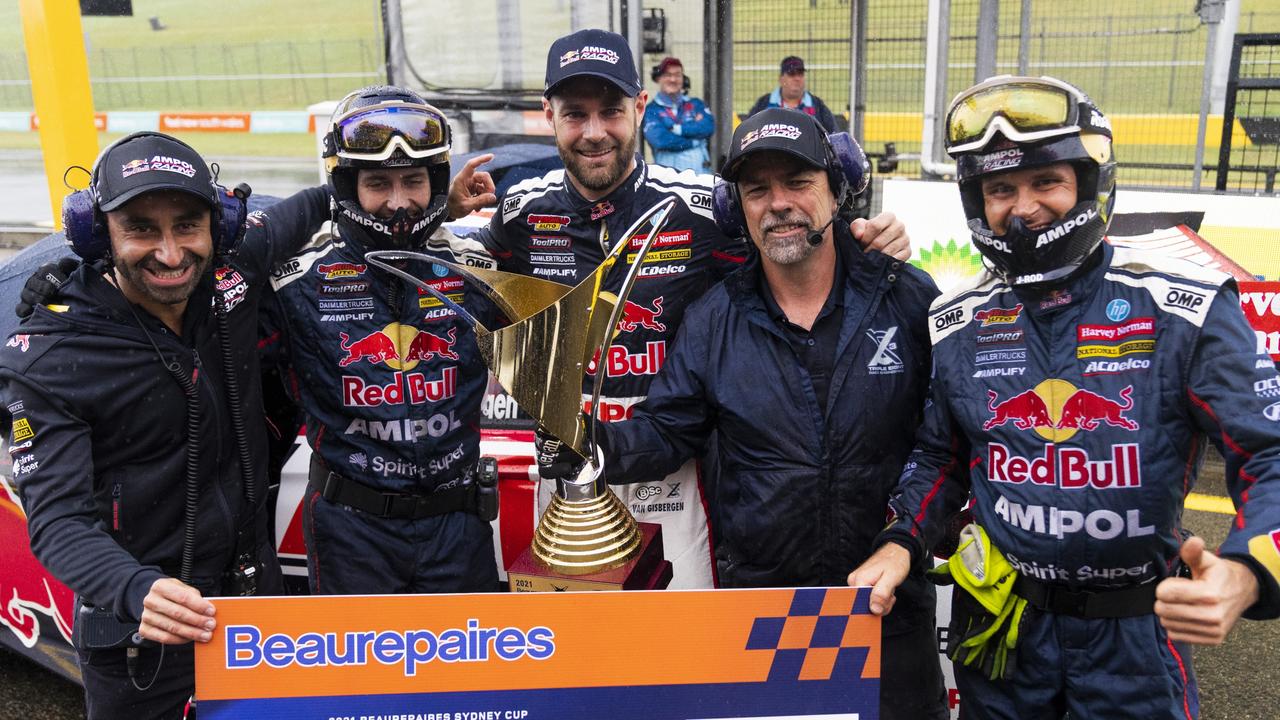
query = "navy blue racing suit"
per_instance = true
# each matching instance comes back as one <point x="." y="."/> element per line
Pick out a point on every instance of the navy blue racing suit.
<point x="546" y="229"/>
<point x="1077" y="421"/>
<point x="390" y="382"/>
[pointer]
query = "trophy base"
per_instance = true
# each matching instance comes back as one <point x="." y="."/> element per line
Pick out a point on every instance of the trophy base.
<point x="646" y="571"/>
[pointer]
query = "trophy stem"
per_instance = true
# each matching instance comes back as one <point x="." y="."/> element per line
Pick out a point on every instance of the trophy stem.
<point x="586" y="529"/>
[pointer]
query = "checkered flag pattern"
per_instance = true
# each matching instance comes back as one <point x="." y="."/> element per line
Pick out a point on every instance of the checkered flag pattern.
<point x="818" y="639"/>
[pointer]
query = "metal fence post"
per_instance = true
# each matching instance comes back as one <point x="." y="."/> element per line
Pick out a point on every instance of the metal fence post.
<point x="1024" y="37"/>
<point x="1211" y="12"/>
<point x="858" y="70"/>
<point x="988" y="39"/>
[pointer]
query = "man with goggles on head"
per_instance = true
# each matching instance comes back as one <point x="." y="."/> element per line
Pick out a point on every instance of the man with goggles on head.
<point x="389" y="380"/>
<point x="1075" y="385"/>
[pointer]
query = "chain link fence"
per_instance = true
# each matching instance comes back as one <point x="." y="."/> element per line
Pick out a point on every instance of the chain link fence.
<point x="230" y="76"/>
<point x="1143" y="62"/>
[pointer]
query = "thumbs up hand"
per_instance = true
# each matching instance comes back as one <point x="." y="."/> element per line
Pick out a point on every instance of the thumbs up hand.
<point x="1202" y="609"/>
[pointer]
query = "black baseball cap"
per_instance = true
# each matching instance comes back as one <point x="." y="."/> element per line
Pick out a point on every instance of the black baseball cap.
<point x="145" y="162"/>
<point x="599" y="53"/>
<point x="791" y="64"/>
<point x="777" y="129"/>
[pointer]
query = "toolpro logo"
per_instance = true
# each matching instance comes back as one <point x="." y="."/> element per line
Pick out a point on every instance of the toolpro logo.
<point x="998" y="316"/>
<point x="334" y="271"/>
<point x="548" y="223"/>
<point x="1056" y="409"/>
<point x="635" y="315"/>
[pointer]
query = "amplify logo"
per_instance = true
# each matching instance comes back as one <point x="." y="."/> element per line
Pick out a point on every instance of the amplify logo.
<point x="1056" y="409"/>
<point x="998" y="316"/>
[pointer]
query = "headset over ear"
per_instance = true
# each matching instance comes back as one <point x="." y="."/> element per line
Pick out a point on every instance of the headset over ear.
<point x="85" y="224"/>
<point x="848" y="172"/>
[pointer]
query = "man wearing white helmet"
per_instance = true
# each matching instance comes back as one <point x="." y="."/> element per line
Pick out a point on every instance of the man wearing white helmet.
<point x="1075" y="388"/>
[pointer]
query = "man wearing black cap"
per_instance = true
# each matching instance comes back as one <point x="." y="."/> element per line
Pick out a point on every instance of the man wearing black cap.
<point x="137" y="437"/>
<point x="791" y="94"/>
<point x="560" y="227"/>
<point x="809" y="365"/>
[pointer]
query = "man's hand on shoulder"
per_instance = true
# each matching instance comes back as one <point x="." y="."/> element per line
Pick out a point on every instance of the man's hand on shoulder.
<point x="884" y="232"/>
<point x="1202" y="609"/>
<point x="471" y="189"/>
<point x="175" y="613"/>
<point x="44" y="284"/>
<point x="884" y="571"/>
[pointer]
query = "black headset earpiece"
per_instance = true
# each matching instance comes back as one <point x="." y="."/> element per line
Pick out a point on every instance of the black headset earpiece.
<point x="655" y="72"/>
<point x="85" y="225"/>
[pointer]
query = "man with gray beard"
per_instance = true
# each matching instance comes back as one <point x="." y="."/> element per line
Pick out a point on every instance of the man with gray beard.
<point x="810" y="365"/>
<point x="560" y="227"/>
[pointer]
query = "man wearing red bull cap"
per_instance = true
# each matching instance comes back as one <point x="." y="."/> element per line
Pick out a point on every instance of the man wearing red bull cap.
<point x="1080" y="384"/>
<point x="809" y="366"/>
<point x="560" y="227"/>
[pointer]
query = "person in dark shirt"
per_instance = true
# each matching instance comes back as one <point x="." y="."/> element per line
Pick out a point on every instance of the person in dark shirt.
<point x="791" y="94"/>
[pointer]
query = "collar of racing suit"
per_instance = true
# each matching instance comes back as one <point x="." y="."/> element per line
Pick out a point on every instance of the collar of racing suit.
<point x="1078" y="286"/>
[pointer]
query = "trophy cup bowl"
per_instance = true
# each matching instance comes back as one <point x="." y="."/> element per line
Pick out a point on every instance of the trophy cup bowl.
<point x="586" y="539"/>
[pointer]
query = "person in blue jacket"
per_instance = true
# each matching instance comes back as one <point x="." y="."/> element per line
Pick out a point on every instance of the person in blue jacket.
<point x="676" y="125"/>
<point x="809" y="364"/>
<point x="1082" y="383"/>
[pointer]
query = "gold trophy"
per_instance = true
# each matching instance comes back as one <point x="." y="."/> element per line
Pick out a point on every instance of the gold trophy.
<point x="586" y="540"/>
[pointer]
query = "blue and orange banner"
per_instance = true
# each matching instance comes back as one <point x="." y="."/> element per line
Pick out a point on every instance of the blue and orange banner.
<point x="810" y="652"/>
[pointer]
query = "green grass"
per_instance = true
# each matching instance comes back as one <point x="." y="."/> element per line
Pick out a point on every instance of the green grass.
<point x="210" y="144"/>
<point x="225" y="38"/>
<point x="327" y="37"/>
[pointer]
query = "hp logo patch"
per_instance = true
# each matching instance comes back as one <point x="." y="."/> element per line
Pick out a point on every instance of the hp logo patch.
<point x="1117" y="310"/>
<point x="439" y="270"/>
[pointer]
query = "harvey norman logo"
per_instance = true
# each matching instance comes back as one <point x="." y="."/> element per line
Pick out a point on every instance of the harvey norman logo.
<point x="782" y="130"/>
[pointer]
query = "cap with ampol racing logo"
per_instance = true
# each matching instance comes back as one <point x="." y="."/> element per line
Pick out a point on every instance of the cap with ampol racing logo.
<point x="780" y="130"/>
<point x="596" y="53"/>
